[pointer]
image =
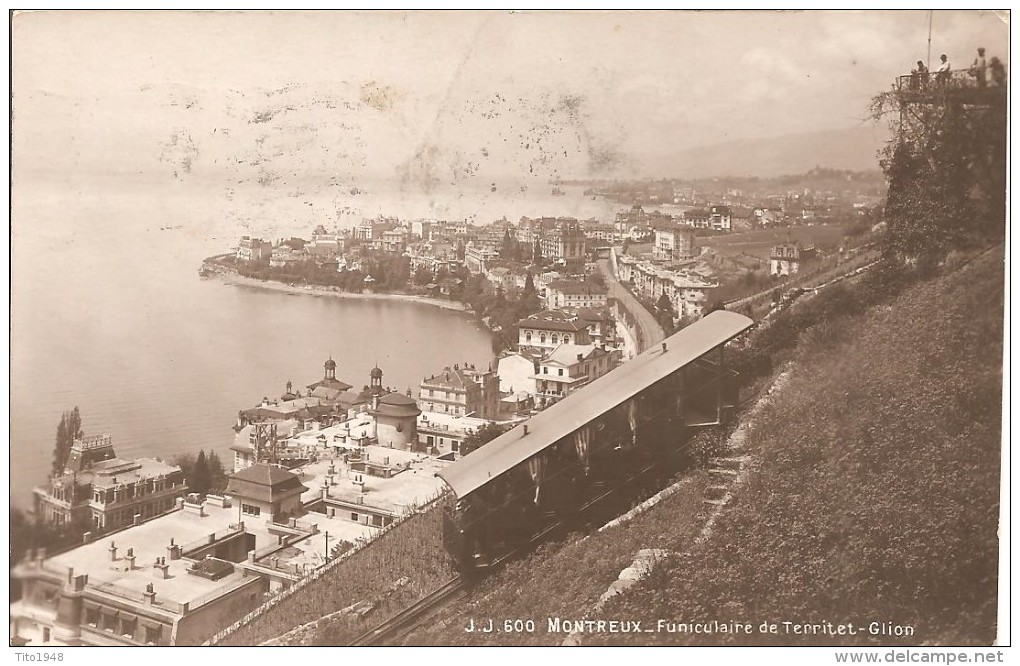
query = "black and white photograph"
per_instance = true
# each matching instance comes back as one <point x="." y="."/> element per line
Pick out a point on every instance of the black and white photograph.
<point x="503" y="328"/>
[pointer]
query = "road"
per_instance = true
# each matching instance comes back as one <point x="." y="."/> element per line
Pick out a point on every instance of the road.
<point x="649" y="331"/>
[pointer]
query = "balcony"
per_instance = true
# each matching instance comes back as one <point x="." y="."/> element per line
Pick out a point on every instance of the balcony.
<point x="955" y="86"/>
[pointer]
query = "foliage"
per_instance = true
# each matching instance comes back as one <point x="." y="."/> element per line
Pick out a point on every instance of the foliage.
<point x="28" y="534"/>
<point x="946" y="171"/>
<point x="204" y="473"/>
<point x="68" y="430"/>
<point x="502" y="312"/>
<point x="664" y="313"/>
<point x="482" y="436"/>
<point x="885" y="500"/>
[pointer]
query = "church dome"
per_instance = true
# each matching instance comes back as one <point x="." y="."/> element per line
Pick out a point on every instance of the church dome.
<point x="376" y="373"/>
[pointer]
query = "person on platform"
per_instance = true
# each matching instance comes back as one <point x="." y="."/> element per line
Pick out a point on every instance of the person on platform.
<point x="998" y="72"/>
<point x="979" y="68"/>
<point x="942" y="73"/>
<point x="919" y="77"/>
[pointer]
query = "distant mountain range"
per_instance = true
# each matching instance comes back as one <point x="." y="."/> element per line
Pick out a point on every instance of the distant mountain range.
<point x="855" y="149"/>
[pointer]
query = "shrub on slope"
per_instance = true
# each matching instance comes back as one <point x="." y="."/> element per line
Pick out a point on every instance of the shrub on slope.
<point x="875" y="497"/>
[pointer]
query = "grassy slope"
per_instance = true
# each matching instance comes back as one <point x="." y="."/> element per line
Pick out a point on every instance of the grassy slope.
<point x="874" y="497"/>
<point x="760" y="242"/>
<point x="560" y="578"/>
<point x="876" y="493"/>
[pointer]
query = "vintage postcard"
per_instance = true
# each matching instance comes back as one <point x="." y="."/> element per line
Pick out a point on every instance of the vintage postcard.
<point x="510" y="328"/>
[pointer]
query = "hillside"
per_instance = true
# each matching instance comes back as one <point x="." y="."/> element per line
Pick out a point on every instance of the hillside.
<point x="872" y="496"/>
<point x="853" y="148"/>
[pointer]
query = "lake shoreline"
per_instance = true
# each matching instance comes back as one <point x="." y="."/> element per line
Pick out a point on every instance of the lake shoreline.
<point x="226" y="275"/>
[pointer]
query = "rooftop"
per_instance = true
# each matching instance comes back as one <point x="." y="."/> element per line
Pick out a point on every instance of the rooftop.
<point x="117" y="471"/>
<point x="449" y="422"/>
<point x="566" y="354"/>
<point x="553" y="320"/>
<point x="412" y="487"/>
<point x="149" y="541"/>
<point x="456" y="377"/>
<point x="575" y="287"/>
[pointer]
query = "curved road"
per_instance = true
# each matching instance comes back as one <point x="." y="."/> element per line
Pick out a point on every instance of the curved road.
<point x="649" y="331"/>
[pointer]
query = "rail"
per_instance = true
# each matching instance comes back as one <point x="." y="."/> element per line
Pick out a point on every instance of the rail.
<point x="413" y="616"/>
<point x="958" y="85"/>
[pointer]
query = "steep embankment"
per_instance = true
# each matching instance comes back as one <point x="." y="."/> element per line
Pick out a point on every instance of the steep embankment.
<point x="875" y="496"/>
<point x="871" y="495"/>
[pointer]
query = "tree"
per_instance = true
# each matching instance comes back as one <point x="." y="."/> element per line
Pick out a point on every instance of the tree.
<point x="508" y="250"/>
<point x="217" y="474"/>
<point x="68" y="430"/>
<point x="946" y="174"/>
<point x="482" y="436"/>
<point x="664" y="313"/>
<point x="529" y="285"/>
<point x="201" y="478"/>
<point x="422" y="276"/>
<point x="536" y="256"/>
<point x="25" y="534"/>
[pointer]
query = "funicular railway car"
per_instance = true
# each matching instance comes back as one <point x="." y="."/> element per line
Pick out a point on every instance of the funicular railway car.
<point x="596" y="445"/>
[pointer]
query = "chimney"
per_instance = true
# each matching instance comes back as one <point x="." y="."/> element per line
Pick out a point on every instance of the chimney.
<point x="130" y="559"/>
<point x="663" y="347"/>
<point x="70" y="575"/>
<point x="173" y="550"/>
<point x="525" y="428"/>
<point x="160" y="570"/>
<point x="149" y="594"/>
<point x="86" y="537"/>
<point x="136" y="519"/>
<point x="113" y="551"/>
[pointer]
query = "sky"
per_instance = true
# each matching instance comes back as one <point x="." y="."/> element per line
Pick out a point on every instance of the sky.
<point x="649" y="82"/>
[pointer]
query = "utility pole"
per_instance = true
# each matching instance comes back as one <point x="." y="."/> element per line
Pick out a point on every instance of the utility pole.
<point x="928" y="64"/>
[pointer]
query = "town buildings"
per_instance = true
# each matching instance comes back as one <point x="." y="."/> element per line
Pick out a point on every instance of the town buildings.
<point x="546" y="330"/>
<point x="674" y="243"/>
<point x="568" y="368"/>
<point x="476" y="259"/>
<point x="787" y="258"/>
<point x="574" y="293"/>
<point x="442" y="434"/>
<point x="516" y="371"/>
<point x="566" y="244"/>
<point x="461" y="391"/>
<point x="276" y="430"/>
<point x="106" y="492"/>
<point x="253" y="249"/>
<point x="181" y="577"/>
<point x="687" y="291"/>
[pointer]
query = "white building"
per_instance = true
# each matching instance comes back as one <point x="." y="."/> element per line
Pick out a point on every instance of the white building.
<point x="569" y="367"/>
<point x="674" y="243"/>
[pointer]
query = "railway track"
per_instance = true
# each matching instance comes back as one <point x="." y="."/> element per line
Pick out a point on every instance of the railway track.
<point x="412" y="617"/>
